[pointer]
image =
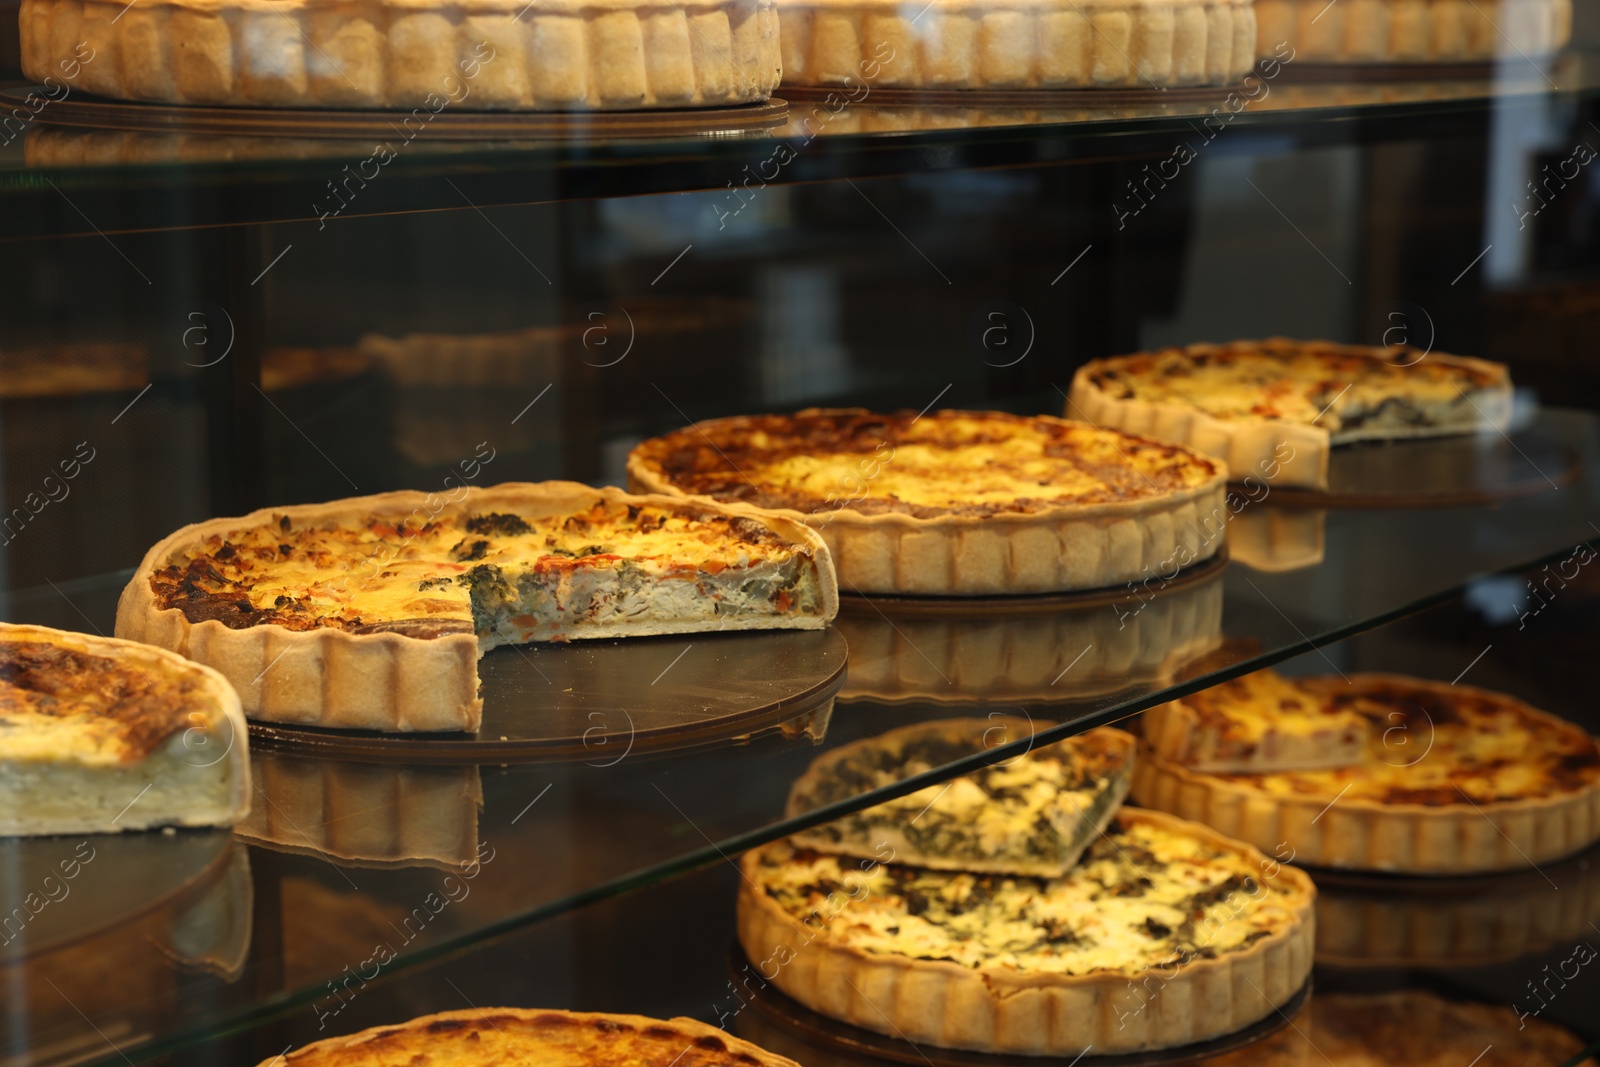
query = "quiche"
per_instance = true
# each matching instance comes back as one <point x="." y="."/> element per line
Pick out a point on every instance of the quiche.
<point x="1017" y="44"/>
<point x="1453" y="780"/>
<point x="99" y="735"/>
<point x="957" y="502"/>
<point x="372" y="612"/>
<point x="1415" y="31"/>
<point x="1032" y="814"/>
<point x="1258" y="723"/>
<point x="1422" y="1029"/>
<point x="1166" y="933"/>
<point x="535" y="1037"/>
<point x="1274" y="409"/>
<point x="416" y="56"/>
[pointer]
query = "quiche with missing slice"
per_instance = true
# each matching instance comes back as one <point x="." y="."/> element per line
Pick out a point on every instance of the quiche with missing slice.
<point x="957" y="502"/>
<point x="534" y="1037"/>
<point x="99" y="735"/>
<point x="1275" y="408"/>
<point x="1033" y="814"/>
<point x="1259" y="723"/>
<point x="1452" y="780"/>
<point x="1166" y="933"/>
<point x="372" y="612"/>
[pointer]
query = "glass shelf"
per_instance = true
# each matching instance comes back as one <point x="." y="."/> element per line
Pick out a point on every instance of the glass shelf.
<point x="124" y="179"/>
<point x="438" y="858"/>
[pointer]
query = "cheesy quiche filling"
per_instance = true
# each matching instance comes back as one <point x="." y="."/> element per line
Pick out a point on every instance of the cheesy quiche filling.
<point x="83" y="736"/>
<point x="1434" y="746"/>
<point x="1346" y="390"/>
<point x="1143" y="896"/>
<point x="1034" y="814"/>
<point x="503" y="577"/>
<point x="941" y="463"/>
<point x="1259" y="722"/>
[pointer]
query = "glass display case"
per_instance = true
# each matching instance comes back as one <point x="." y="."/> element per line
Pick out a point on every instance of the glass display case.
<point x="204" y="316"/>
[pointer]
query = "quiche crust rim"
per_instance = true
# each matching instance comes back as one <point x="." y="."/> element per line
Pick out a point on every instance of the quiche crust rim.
<point x="1065" y="548"/>
<point x="423" y="1028"/>
<point x="389" y="682"/>
<point x="549" y="55"/>
<point x="971" y="44"/>
<point x="1249" y="444"/>
<point x="999" y="1010"/>
<point x="1440" y="31"/>
<point x="1362" y="834"/>
<point x="225" y="708"/>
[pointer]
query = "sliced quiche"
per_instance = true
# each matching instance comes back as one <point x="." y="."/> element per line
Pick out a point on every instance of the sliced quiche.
<point x="1451" y="780"/>
<point x="99" y="735"/>
<point x="1033" y="814"/>
<point x="1274" y="408"/>
<point x="372" y="612"/>
<point x="1256" y="724"/>
<point x="1165" y="934"/>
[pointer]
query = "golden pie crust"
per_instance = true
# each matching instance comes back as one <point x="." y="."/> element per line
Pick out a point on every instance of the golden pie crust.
<point x="998" y="1009"/>
<point x="1414" y="31"/>
<point x="1282" y="451"/>
<point x="533" y="1036"/>
<point x="1016" y="44"/>
<point x="389" y="681"/>
<point x="1127" y="534"/>
<point x="1449" y="834"/>
<point x="411" y="54"/>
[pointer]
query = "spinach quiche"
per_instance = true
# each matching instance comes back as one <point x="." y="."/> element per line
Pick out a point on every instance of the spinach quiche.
<point x="534" y="1037"/>
<point x="1451" y="780"/>
<point x="372" y="612"/>
<point x="1164" y="934"/>
<point x="1258" y="723"/>
<point x="1275" y="408"/>
<point x="1033" y="814"/>
<point x="957" y="502"/>
<point x="99" y="735"/>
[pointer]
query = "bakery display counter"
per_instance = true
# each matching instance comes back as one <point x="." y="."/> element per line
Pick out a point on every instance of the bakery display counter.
<point x="113" y="163"/>
<point x="369" y="858"/>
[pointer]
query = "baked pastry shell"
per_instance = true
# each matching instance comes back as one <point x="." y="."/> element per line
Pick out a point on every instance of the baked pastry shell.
<point x="1362" y="834"/>
<point x="1414" y="31"/>
<point x="388" y="681"/>
<point x="1250" y="446"/>
<point x="1061" y="549"/>
<point x="1016" y="44"/>
<point x="996" y="1009"/>
<point x="409" y="54"/>
<point x="225" y="721"/>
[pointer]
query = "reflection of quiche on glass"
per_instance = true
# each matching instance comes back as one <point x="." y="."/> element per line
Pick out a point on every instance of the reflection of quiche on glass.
<point x="957" y="502"/>
<point x="1448" y="778"/>
<point x="1033" y="814"/>
<point x="1274" y="408"/>
<point x="372" y="612"/>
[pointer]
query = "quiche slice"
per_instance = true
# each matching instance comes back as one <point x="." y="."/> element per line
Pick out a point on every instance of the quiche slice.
<point x="535" y="1038"/>
<point x="1034" y="814"/>
<point x="371" y="612"/>
<point x="1453" y="780"/>
<point x="1273" y="409"/>
<point x="957" y="502"/>
<point x="1255" y="724"/>
<point x="1166" y="933"/>
<point x="99" y="735"/>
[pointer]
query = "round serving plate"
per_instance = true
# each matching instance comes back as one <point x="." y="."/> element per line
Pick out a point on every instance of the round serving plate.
<point x="82" y="109"/>
<point x="1031" y="603"/>
<point x="853" y="1046"/>
<point x="891" y="96"/>
<point x="597" y="701"/>
<point x="1308" y="71"/>
<point x="125" y="876"/>
<point x="1467" y="469"/>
